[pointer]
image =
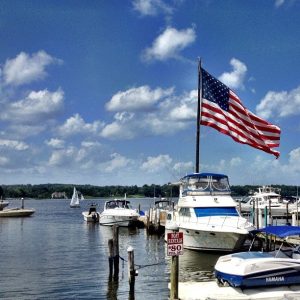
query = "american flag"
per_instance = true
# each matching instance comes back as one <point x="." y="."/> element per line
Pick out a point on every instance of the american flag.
<point x="222" y="109"/>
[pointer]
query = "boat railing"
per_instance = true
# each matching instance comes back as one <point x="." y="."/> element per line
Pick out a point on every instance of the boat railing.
<point x="218" y="221"/>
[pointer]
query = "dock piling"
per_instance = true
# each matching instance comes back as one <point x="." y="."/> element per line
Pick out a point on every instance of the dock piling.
<point x="174" y="276"/>
<point x="110" y="257"/>
<point x="131" y="271"/>
<point x="116" y="250"/>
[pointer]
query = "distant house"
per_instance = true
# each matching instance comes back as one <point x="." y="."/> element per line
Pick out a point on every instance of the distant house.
<point x="59" y="195"/>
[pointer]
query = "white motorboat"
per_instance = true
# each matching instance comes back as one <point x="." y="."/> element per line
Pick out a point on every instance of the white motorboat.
<point x="92" y="215"/>
<point x="207" y="214"/>
<point x="252" y="269"/>
<point x="120" y="212"/>
<point x="16" y="212"/>
<point x="75" y="199"/>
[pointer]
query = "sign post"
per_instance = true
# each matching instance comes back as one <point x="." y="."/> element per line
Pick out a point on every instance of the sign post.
<point x="175" y="248"/>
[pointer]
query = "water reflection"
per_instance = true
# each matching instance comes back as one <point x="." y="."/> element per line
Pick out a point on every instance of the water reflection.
<point x="112" y="288"/>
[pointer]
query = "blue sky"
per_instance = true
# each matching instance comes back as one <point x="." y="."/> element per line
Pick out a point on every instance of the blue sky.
<point x="105" y="92"/>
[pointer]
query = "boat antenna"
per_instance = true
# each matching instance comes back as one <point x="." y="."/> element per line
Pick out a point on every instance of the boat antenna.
<point x="198" y="116"/>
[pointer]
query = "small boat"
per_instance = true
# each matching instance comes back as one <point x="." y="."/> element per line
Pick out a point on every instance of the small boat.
<point x="16" y="212"/>
<point x="92" y="215"/>
<point x="120" y="212"/>
<point x="280" y="267"/>
<point x="207" y="214"/>
<point x="75" y="199"/>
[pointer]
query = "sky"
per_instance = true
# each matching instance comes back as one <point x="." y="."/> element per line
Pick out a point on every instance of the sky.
<point x="105" y="92"/>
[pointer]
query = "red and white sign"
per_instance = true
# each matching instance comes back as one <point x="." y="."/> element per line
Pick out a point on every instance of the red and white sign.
<point x="175" y="243"/>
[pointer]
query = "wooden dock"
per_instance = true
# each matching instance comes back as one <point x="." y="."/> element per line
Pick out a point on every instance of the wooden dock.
<point x="211" y="291"/>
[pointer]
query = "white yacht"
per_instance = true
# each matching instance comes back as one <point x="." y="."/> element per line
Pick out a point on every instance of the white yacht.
<point x="266" y="196"/>
<point x="207" y="214"/>
<point x="120" y="212"/>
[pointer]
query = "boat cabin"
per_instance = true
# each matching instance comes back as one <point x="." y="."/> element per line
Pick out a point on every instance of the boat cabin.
<point x="204" y="183"/>
<point x="116" y="203"/>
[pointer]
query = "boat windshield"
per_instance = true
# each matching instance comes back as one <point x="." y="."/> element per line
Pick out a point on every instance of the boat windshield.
<point x="205" y="183"/>
<point x="118" y="204"/>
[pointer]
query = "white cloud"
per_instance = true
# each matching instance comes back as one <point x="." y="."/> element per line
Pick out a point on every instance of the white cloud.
<point x="294" y="159"/>
<point x="25" y="68"/>
<point x="167" y="114"/>
<point x="151" y="7"/>
<point x="135" y="99"/>
<point x="76" y="125"/>
<point x="235" y="78"/>
<point x="183" y="167"/>
<point x="3" y="161"/>
<point x="123" y="127"/>
<point x="169" y="44"/>
<point x="279" y="2"/>
<point x="282" y="104"/>
<point x="36" y="107"/>
<point x="235" y="162"/>
<point x="13" y="144"/>
<point x="186" y="109"/>
<point x="117" y="162"/>
<point x="155" y="164"/>
<point x="63" y="157"/>
<point x="56" y="143"/>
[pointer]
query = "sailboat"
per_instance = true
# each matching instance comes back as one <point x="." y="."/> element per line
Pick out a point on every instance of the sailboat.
<point x="75" y="199"/>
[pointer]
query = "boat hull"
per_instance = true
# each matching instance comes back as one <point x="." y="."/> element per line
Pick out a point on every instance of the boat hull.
<point x="253" y="269"/>
<point x="211" y="240"/>
<point x="16" y="212"/>
<point x="75" y="205"/>
<point x="91" y="217"/>
<point x="279" y="277"/>
<point x="125" y="221"/>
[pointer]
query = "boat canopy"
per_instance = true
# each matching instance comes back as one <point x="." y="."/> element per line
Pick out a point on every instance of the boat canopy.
<point x="280" y="231"/>
<point x="203" y="183"/>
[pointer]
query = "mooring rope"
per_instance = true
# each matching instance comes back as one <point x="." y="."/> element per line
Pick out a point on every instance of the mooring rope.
<point x="143" y="266"/>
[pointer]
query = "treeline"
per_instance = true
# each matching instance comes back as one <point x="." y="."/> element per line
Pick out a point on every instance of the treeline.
<point x="44" y="191"/>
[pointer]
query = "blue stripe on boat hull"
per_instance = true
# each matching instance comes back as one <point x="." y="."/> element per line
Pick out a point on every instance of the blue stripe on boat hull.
<point x="277" y="277"/>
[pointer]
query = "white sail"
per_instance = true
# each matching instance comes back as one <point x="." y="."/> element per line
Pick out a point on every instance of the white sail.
<point x="75" y="199"/>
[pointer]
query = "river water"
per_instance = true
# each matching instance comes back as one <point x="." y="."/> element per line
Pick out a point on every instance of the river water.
<point x="55" y="254"/>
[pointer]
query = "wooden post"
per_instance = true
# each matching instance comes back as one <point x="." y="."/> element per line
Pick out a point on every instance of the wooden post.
<point x="174" y="276"/>
<point x="260" y="218"/>
<point x="110" y="257"/>
<point x="253" y="212"/>
<point x="287" y="214"/>
<point x="116" y="250"/>
<point x="22" y="206"/>
<point x="131" y="271"/>
<point x="257" y="214"/>
<point x="270" y="214"/>
<point x="266" y="216"/>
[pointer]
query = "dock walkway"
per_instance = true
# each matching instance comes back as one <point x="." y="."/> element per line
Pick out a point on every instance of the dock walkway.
<point x="211" y="291"/>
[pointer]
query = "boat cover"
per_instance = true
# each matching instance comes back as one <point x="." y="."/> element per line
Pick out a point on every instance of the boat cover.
<point x="280" y="231"/>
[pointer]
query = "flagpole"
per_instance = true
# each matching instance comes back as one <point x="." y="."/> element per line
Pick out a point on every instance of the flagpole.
<point x="198" y="117"/>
